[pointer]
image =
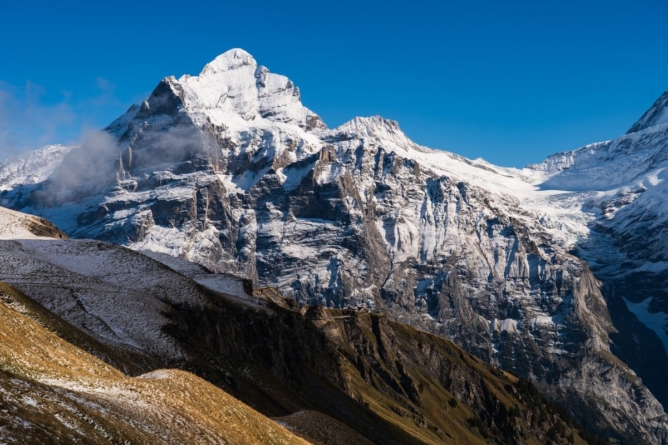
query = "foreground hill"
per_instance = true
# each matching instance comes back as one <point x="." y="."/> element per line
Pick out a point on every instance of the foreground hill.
<point x="54" y="392"/>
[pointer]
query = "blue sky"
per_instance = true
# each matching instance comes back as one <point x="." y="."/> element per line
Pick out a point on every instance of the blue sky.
<point x="508" y="81"/>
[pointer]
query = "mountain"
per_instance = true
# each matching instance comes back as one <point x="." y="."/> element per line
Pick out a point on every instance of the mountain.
<point x="621" y="185"/>
<point x="229" y="170"/>
<point x="656" y="115"/>
<point x="31" y="167"/>
<point x="88" y="337"/>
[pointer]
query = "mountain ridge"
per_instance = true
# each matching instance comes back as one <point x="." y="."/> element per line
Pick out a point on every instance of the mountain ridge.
<point x="360" y="216"/>
<point x="657" y="114"/>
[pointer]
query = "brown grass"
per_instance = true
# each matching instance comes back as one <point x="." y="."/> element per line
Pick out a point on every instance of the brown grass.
<point x="53" y="392"/>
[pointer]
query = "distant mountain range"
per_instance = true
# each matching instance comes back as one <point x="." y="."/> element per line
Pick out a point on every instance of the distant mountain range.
<point x="556" y="272"/>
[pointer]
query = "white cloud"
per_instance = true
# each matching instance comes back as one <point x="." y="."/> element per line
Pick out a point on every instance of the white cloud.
<point x="105" y="85"/>
<point x="29" y="118"/>
<point x="26" y="121"/>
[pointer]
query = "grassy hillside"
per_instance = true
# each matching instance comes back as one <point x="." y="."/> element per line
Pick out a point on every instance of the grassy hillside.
<point x="53" y="392"/>
<point x="373" y="375"/>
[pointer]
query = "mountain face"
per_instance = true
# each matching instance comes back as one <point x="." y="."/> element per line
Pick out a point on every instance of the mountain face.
<point x="656" y="115"/>
<point x="87" y="338"/>
<point x="32" y="167"/>
<point x="621" y="184"/>
<point x="230" y="171"/>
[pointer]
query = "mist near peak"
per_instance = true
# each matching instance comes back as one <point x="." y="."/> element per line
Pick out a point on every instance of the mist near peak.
<point x="32" y="116"/>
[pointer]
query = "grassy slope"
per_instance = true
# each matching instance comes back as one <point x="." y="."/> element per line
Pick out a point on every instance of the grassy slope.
<point x="54" y="392"/>
<point x="321" y="430"/>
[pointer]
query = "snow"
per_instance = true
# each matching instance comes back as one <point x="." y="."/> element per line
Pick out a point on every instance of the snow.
<point x="506" y="325"/>
<point x="653" y="176"/>
<point x="560" y="210"/>
<point x="649" y="266"/>
<point x="234" y="90"/>
<point x="29" y="401"/>
<point x="293" y="176"/>
<point x="118" y="295"/>
<point x="541" y="320"/>
<point x="375" y="127"/>
<point x="222" y="283"/>
<point x="656" y="321"/>
<point x="31" y="167"/>
<point x="15" y="224"/>
<point x="247" y="180"/>
<point x="661" y="118"/>
<point x="159" y="374"/>
<point x="656" y="115"/>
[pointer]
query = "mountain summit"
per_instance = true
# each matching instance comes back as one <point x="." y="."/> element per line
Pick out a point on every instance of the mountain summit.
<point x="229" y="170"/>
<point x="234" y="86"/>
<point x="656" y="115"/>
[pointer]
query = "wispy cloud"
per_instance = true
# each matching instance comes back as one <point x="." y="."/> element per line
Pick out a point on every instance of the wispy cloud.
<point x="28" y="120"/>
<point x="105" y="85"/>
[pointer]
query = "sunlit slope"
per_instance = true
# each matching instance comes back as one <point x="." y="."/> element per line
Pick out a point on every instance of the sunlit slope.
<point x="20" y="225"/>
<point x="54" y="392"/>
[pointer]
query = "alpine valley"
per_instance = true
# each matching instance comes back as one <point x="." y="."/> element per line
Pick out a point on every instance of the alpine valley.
<point x="327" y="278"/>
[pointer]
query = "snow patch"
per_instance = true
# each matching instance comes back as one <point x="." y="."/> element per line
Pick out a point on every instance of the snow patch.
<point x="656" y="321"/>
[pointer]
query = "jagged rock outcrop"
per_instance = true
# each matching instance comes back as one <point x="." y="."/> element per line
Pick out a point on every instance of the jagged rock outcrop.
<point x="229" y="170"/>
<point x="656" y="115"/>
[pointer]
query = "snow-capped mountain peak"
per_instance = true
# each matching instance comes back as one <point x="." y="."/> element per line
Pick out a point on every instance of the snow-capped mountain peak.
<point x="229" y="60"/>
<point x="656" y="115"/>
<point x="234" y="85"/>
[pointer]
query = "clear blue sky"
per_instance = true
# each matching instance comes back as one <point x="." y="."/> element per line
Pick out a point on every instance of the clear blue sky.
<point x="509" y="81"/>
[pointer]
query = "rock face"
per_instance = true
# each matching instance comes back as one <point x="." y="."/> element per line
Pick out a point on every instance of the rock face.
<point x="621" y="183"/>
<point x="656" y="115"/>
<point x="229" y="170"/>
